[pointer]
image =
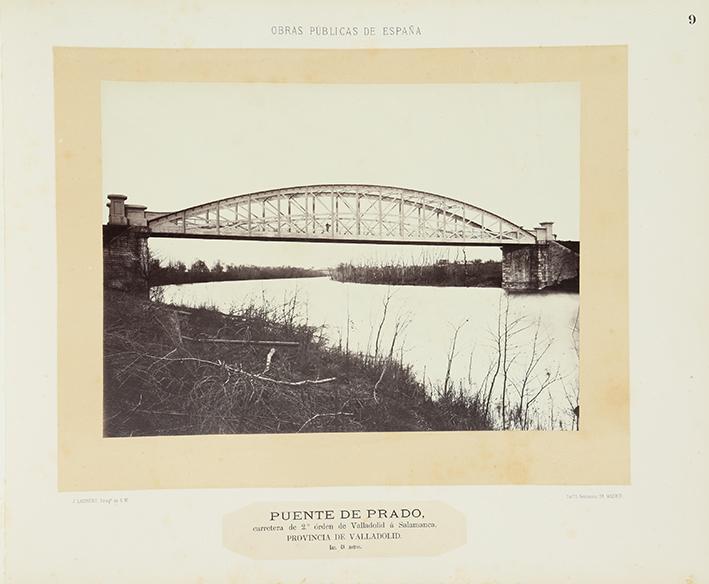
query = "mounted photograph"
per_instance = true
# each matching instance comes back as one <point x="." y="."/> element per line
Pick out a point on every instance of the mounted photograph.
<point x="287" y="258"/>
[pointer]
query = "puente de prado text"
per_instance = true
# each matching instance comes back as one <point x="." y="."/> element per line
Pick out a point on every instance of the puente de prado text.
<point x="531" y="259"/>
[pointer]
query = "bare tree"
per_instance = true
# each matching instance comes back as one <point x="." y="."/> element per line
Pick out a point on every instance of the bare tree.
<point x="451" y="356"/>
<point x="470" y="367"/>
<point x="506" y="352"/>
<point x="401" y="322"/>
<point x="516" y="364"/>
<point x="572" y="394"/>
<point x="495" y="369"/>
<point x="530" y="386"/>
<point x="385" y="301"/>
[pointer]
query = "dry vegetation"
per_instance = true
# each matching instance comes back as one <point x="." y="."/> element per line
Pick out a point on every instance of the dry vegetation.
<point x="170" y="371"/>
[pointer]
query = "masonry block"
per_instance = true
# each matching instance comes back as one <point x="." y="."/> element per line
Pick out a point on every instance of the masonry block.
<point x="540" y="266"/>
<point x="125" y="259"/>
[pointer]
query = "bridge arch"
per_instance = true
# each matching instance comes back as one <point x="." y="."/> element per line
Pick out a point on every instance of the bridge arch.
<point x="341" y="212"/>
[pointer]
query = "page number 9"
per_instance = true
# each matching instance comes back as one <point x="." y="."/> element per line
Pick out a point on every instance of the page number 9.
<point x="692" y="19"/>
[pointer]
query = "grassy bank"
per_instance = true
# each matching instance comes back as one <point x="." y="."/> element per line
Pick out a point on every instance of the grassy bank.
<point x="162" y="378"/>
<point x="472" y="274"/>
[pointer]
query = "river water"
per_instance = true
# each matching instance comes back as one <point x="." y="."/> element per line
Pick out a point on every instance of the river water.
<point x="427" y="319"/>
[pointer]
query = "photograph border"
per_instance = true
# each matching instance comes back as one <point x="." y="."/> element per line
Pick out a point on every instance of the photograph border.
<point x="599" y="453"/>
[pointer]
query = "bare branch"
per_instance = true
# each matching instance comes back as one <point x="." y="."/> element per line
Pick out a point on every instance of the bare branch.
<point x="316" y="416"/>
<point x="376" y="385"/>
<point x="386" y="300"/>
<point x="268" y="361"/>
<point x="244" y="342"/>
<point x="240" y="371"/>
<point x="451" y="355"/>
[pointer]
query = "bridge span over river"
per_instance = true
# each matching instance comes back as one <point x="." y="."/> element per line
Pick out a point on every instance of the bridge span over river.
<point x="331" y="213"/>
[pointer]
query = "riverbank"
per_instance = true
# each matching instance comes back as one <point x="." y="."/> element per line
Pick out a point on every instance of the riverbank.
<point x="160" y="274"/>
<point x="476" y="273"/>
<point x="171" y="370"/>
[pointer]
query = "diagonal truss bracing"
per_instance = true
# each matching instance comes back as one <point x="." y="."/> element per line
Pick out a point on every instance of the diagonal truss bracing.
<point x="339" y="212"/>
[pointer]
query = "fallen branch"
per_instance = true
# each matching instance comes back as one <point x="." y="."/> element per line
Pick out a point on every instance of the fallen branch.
<point x="316" y="416"/>
<point x="280" y="382"/>
<point x="140" y="401"/>
<point x="243" y="342"/>
<point x="242" y="372"/>
<point x="376" y="385"/>
<point x="188" y="415"/>
<point x="168" y="308"/>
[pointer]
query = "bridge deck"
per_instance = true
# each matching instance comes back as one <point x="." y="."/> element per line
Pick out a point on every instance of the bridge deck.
<point x="328" y="239"/>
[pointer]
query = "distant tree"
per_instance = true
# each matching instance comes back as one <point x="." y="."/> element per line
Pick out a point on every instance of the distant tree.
<point x="154" y="267"/>
<point x="199" y="268"/>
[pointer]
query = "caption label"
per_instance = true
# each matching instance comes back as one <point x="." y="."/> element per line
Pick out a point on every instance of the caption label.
<point x="330" y="530"/>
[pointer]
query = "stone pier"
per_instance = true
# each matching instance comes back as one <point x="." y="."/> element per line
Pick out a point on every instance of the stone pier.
<point x="548" y="263"/>
<point x="125" y="248"/>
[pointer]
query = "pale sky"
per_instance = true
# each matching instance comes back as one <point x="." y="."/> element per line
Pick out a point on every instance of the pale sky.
<point x="512" y="149"/>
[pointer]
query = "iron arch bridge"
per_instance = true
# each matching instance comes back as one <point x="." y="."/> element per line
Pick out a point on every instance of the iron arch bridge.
<point x="338" y="212"/>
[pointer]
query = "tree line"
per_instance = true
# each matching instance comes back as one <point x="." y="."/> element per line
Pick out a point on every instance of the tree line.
<point x="442" y="273"/>
<point x="178" y="272"/>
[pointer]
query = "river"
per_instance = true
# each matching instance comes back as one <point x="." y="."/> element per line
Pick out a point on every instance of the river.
<point x="428" y="318"/>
